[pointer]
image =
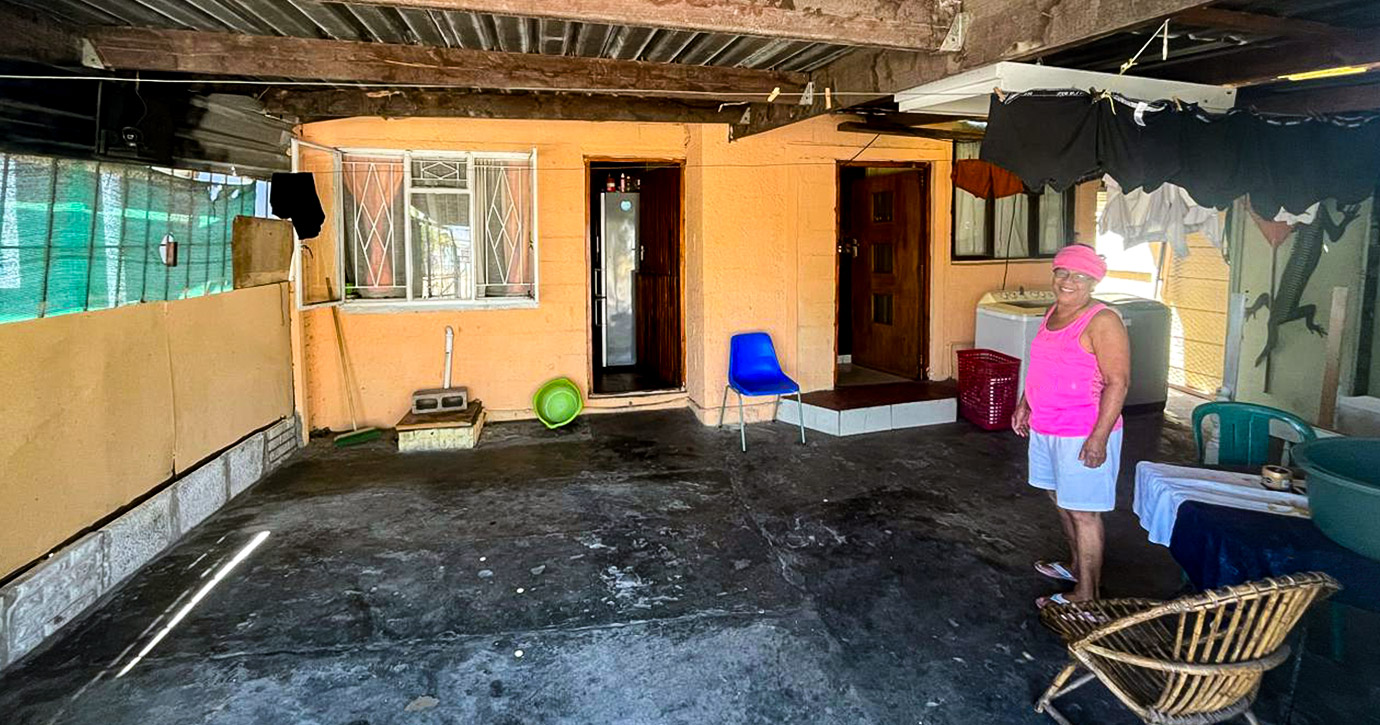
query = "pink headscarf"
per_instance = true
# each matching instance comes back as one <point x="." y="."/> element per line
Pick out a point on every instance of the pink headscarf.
<point x="1081" y="258"/>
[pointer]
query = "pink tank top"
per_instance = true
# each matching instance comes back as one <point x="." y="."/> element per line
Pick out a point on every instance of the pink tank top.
<point x="1063" y="383"/>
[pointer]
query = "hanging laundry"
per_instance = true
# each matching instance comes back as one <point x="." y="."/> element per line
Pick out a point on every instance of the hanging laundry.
<point x="1138" y="142"/>
<point x="1047" y="138"/>
<point x="1306" y="217"/>
<point x="1167" y="214"/>
<point x="1274" y="230"/>
<point x="1309" y="159"/>
<point x="986" y="181"/>
<point x="1281" y="162"/>
<point x="293" y="196"/>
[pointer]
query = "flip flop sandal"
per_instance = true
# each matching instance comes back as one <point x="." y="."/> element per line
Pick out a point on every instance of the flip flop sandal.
<point x="1043" y="602"/>
<point x="1055" y="570"/>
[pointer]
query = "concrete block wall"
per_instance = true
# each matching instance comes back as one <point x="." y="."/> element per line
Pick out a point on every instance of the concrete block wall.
<point x="38" y="603"/>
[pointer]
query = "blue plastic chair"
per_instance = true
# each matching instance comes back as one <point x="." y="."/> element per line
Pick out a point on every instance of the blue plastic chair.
<point x="754" y="370"/>
<point x="1243" y="431"/>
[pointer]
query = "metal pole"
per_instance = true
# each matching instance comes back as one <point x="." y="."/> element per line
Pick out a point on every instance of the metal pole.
<point x="48" y="240"/>
<point x="91" y="237"/>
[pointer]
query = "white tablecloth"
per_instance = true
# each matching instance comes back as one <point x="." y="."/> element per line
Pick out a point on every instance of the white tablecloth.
<point x="1160" y="488"/>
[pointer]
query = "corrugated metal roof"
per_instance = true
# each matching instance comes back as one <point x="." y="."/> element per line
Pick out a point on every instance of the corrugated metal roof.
<point x="447" y="29"/>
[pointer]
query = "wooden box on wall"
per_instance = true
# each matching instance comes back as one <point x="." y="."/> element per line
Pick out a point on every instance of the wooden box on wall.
<point x="261" y="250"/>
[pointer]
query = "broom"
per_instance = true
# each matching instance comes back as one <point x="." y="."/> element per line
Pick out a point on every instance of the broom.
<point x="356" y="435"/>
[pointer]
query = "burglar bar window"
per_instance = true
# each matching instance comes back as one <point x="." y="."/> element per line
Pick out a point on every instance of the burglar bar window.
<point x="433" y="228"/>
<point x="1025" y="226"/>
<point x="82" y="235"/>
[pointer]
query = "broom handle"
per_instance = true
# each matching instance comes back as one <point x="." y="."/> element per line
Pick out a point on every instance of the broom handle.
<point x="344" y="366"/>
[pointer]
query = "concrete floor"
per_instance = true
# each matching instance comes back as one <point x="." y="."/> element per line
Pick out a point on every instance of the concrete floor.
<point x="647" y="570"/>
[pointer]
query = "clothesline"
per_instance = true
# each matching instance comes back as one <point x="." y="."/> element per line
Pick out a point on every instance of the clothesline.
<point x="1059" y="138"/>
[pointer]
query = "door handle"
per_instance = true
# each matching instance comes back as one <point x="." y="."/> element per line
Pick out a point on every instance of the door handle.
<point x="849" y="246"/>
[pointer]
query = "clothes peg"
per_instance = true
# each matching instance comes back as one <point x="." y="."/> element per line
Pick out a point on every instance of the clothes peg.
<point x="775" y="93"/>
<point x="828" y="99"/>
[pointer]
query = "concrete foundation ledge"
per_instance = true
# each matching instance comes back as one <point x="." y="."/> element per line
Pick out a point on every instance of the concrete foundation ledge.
<point x="54" y="592"/>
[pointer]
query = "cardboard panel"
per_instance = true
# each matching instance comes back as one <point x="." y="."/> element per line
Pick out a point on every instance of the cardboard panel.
<point x="230" y="368"/>
<point x="101" y="404"/>
<point x="262" y="251"/>
<point x="88" y="423"/>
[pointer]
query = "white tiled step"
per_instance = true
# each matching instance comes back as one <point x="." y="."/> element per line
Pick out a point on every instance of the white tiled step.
<point x="870" y="420"/>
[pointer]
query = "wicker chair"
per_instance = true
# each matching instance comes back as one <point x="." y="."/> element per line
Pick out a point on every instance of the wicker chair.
<point x="1190" y="661"/>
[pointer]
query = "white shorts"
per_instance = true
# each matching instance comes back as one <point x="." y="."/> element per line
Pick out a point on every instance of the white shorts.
<point x="1054" y="466"/>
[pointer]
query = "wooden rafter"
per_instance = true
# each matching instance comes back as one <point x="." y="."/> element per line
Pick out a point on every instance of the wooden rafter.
<point x="226" y="54"/>
<point x="1255" y="23"/>
<point x="1248" y="67"/>
<point x="891" y="129"/>
<point x="998" y="30"/>
<point x="28" y="36"/>
<point x="910" y="25"/>
<point x="315" y="105"/>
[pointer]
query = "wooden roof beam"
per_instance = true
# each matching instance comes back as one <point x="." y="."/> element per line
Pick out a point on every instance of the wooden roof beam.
<point x="1268" y="25"/>
<point x="907" y="24"/>
<point x="316" y="105"/>
<point x="31" y="37"/>
<point x="1266" y="65"/>
<point x="998" y="30"/>
<point x="232" y="55"/>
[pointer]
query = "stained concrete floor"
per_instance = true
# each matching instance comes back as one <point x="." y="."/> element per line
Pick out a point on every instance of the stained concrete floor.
<point x="647" y="570"/>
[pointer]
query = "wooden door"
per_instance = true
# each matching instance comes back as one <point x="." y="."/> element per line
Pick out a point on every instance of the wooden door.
<point x="887" y="222"/>
<point x="659" y="348"/>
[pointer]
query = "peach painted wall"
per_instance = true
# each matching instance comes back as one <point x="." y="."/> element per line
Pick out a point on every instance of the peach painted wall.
<point x="760" y="223"/>
<point x="502" y="355"/>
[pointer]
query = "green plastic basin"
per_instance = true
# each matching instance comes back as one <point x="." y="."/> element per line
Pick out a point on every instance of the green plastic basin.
<point x="557" y="402"/>
<point x="1344" y="490"/>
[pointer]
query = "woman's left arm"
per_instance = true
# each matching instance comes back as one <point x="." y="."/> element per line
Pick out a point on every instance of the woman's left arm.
<point x="1112" y="348"/>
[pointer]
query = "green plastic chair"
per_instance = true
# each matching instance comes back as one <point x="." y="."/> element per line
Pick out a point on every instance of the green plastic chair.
<point x="1243" y="431"/>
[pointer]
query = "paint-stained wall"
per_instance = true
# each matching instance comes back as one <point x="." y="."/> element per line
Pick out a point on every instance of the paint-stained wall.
<point x="108" y="405"/>
<point x="760" y="228"/>
<point x="1297" y="362"/>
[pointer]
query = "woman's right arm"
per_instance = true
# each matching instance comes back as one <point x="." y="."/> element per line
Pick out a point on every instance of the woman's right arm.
<point x="1020" y="420"/>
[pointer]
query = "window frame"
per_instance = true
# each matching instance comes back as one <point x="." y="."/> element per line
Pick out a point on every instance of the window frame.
<point x="1032" y="235"/>
<point x="406" y="158"/>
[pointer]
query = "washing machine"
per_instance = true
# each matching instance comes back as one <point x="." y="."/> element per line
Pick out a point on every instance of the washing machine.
<point x="1148" y="325"/>
<point x="1007" y="321"/>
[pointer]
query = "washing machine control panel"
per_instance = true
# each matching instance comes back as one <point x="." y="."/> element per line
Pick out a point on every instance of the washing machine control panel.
<point x="1019" y="295"/>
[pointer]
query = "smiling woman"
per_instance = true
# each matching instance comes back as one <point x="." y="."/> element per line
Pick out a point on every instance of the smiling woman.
<point x="1079" y="370"/>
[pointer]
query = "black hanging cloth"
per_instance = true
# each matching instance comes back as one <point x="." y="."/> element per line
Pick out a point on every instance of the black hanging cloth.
<point x="293" y="196"/>
<point x="1282" y="162"/>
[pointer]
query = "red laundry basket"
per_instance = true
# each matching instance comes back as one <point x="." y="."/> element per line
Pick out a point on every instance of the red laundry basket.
<point x="987" y="382"/>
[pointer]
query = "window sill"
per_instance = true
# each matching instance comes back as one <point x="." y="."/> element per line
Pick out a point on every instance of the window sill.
<point x="392" y="306"/>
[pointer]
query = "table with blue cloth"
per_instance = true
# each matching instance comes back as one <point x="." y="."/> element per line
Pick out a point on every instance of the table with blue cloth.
<point x="1219" y="546"/>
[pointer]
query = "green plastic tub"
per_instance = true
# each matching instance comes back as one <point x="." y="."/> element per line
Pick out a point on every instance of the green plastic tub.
<point x="1344" y="490"/>
<point x="557" y="402"/>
